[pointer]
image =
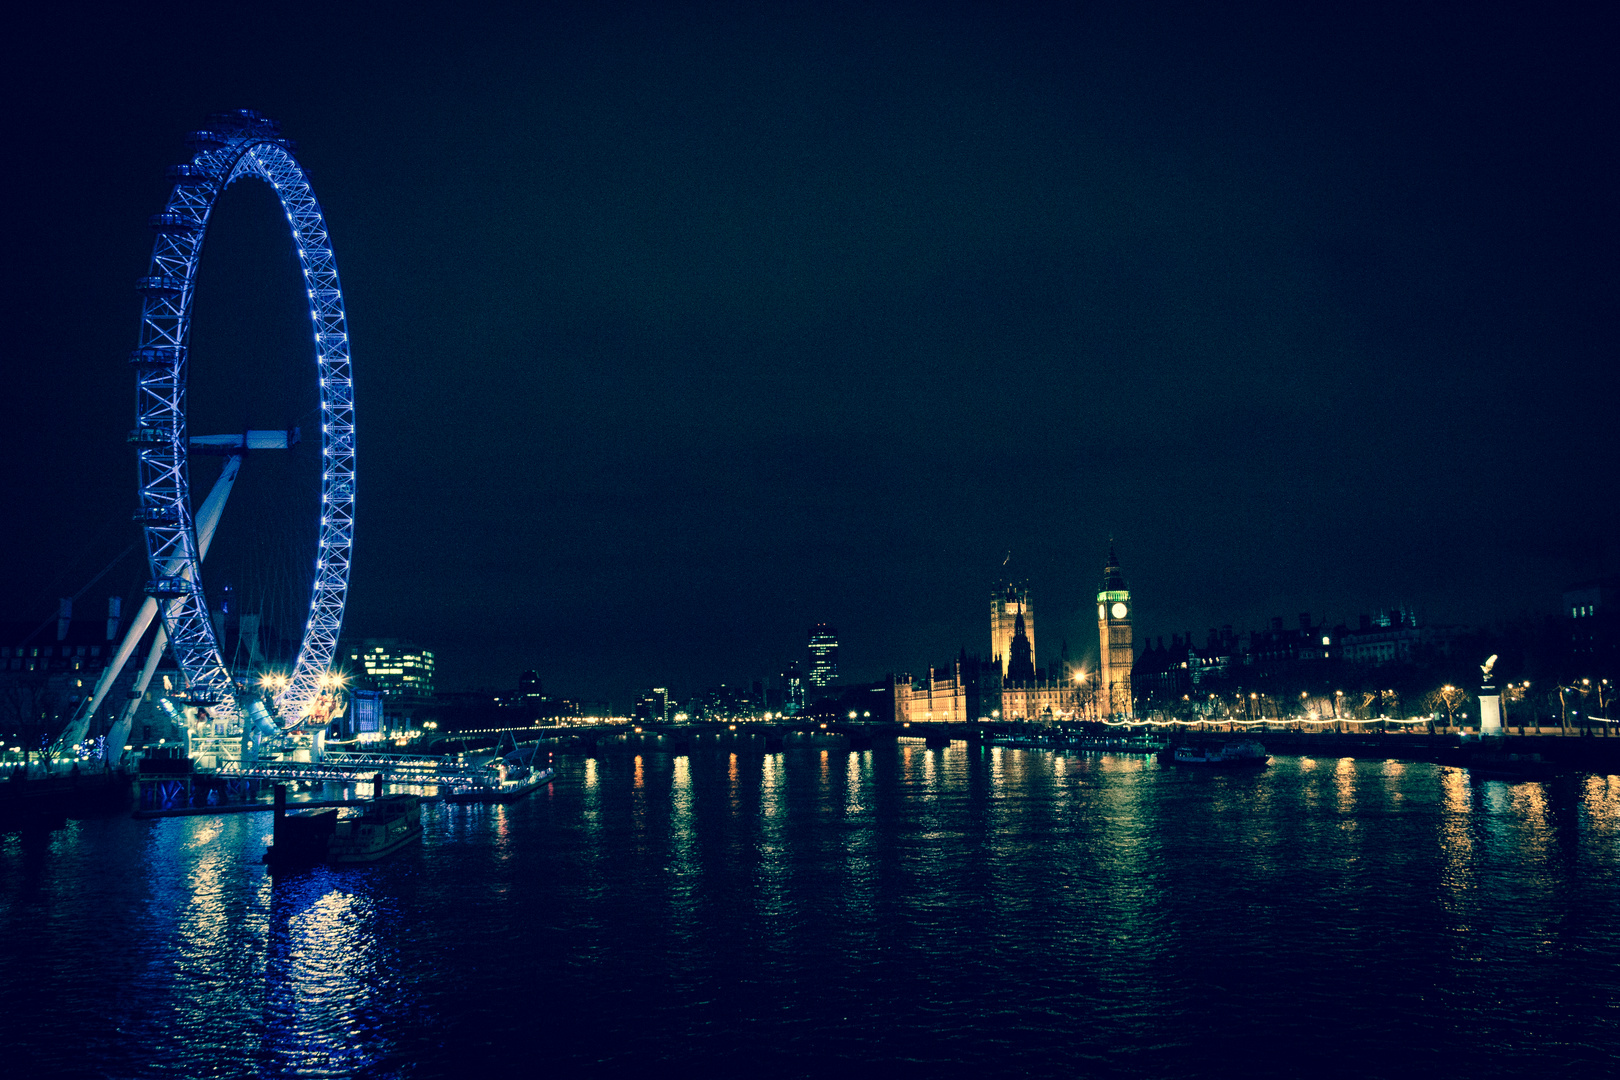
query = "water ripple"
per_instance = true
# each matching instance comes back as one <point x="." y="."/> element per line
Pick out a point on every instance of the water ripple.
<point x="939" y="911"/>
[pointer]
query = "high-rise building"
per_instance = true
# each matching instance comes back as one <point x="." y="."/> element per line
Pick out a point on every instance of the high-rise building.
<point x="1114" y="642"/>
<point x="823" y="655"/>
<point x="654" y="705"/>
<point x="792" y="690"/>
<point x="399" y="669"/>
<point x="1006" y="605"/>
<point x="530" y="688"/>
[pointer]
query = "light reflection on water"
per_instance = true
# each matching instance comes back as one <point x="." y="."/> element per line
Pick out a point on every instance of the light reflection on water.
<point x="1000" y="912"/>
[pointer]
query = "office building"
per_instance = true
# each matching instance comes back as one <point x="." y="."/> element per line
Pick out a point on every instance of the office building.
<point x="823" y="656"/>
<point x="400" y="670"/>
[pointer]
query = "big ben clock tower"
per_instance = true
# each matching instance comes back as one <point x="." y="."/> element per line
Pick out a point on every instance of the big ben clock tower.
<point x="1114" y="642"/>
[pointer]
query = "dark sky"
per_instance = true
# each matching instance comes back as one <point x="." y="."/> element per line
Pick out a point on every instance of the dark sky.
<point x="677" y="329"/>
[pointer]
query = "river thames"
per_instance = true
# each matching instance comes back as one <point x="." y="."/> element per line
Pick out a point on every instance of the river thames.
<point x="934" y="912"/>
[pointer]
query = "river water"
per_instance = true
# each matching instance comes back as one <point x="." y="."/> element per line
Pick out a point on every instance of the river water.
<point x="930" y="912"/>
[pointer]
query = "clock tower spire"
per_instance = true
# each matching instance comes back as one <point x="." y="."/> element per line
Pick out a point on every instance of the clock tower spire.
<point x="1114" y="641"/>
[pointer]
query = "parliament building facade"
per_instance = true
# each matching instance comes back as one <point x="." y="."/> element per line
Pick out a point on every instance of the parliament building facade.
<point x="1009" y="685"/>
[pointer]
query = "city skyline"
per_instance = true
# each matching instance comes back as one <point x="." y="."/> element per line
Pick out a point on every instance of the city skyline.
<point x="1364" y="641"/>
<point x="685" y="333"/>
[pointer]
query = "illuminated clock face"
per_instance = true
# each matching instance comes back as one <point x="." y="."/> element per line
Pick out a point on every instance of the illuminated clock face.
<point x="1118" y="610"/>
<point x="1101" y="611"/>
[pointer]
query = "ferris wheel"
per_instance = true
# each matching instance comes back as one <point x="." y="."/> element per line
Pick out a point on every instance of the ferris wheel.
<point x="229" y="717"/>
<point x="237" y="145"/>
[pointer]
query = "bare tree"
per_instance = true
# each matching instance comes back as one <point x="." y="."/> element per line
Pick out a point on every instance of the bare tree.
<point x="29" y="710"/>
<point x="1319" y="709"/>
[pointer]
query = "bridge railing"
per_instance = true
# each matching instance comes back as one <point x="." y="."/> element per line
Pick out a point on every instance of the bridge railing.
<point x="353" y="771"/>
<point x="426" y="762"/>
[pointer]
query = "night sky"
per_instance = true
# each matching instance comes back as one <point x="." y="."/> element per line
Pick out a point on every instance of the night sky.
<point x="678" y="329"/>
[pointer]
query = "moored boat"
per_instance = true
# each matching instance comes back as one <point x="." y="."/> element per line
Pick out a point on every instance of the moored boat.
<point x="388" y="823"/>
<point x="1123" y="746"/>
<point x="504" y="789"/>
<point x="1245" y="752"/>
<point x="1501" y="765"/>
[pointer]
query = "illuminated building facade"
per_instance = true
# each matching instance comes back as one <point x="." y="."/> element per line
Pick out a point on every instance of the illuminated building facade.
<point x="653" y="707"/>
<point x="400" y="670"/>
<point x="941" y="698"/>
<point x="793" y="690"/>
<point x="1007" y="604"/>
<point x="823" y="655"/>
<point x="1114" y="642"/>
<point x="365" y="720"/>
<point x="1042" y="702"/>
<point x="965" y="691"/>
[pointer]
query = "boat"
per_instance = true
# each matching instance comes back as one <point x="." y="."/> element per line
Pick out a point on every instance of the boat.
<point x="387" y="823"/>
<point x="1033" y="742"/>
<point x="1123" y="746"/>
<point x="506" y="777"/>
<point x="510" y="787"/>
<point x="1245" y="752"/>
<point x="1501" y="765"/>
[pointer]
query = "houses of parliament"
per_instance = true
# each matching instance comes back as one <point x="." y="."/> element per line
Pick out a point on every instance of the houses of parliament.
<point x="1010" y="686"/>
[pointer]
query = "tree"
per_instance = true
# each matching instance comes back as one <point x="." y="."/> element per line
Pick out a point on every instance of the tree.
<point x="1318" y="709"/>
<point x="28" y="711"/>
<point x="1448" y="699"/>
<point x="1515" y="704"/>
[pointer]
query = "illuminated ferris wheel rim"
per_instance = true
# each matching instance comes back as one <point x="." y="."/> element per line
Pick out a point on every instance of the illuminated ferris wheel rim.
<point x="237" y="145"/>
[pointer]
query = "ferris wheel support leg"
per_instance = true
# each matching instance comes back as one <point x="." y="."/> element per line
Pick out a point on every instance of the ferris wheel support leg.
<point x="80" y="724"/>
<point x="126" y="718"/>
<point x="207" y="522"/>
<point x="207" y="519"/>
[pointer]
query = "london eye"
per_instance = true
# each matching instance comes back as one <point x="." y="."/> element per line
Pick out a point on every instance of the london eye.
<point x="230" y="715"/>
